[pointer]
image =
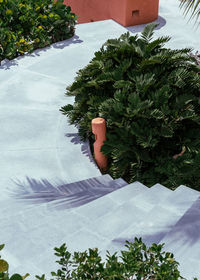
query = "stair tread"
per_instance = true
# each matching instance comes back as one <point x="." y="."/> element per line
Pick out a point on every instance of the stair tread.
<point x="162" y="217"/>
<point x="156" y="194"/>
<point x="85" y="184"/>
<point x="184" y="240"/>
<point x="88" y="196"/>
<point x="181" y="199"/>
<point x="189" y="267"/>
<point x="130" y="191"/>
<point x="151" y="227"/>
<point x="127" y="200"/>
<point x="112" y="200"/>
<point x="184" y="236"/>
<point x="114" y="222"/>
<point x="161" y="187"/>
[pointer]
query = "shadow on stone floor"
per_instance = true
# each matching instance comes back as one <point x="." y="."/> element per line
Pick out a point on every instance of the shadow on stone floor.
<point x="147" y="239"/>
<point x="62" y="44"/>
<point x="85" y="146"/>
<point x="184" y="233"/>
<point x="61" y="196"/>
<point x="7" y="64"/>
<point x="139" y="28"/>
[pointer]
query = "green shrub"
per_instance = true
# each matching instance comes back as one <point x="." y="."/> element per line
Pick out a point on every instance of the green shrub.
<point x="29" y="24"/>
<point x="4" y="266"/>
<point x="150" y="97"/>
<point x="137" y="262"/>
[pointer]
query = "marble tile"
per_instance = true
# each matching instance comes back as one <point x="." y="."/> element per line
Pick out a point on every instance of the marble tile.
<point x="30" y="90"/>
<point x="28" y="129"/>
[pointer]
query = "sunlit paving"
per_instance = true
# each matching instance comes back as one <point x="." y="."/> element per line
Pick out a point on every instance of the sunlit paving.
<point x="58" y="186"/>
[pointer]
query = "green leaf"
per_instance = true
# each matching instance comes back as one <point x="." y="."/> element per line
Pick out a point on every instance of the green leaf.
<point x="3" y="265"/>
<point x="147" y="33"/>
<point x="16" y="277"/>
<point x="25" y="276"/>
<point x="2" y="246"/>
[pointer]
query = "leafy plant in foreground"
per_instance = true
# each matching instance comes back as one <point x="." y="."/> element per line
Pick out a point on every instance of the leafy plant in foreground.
<point x="137" y="262"/>
<point x="4" y="266"/>
<point x="150" y="97"/>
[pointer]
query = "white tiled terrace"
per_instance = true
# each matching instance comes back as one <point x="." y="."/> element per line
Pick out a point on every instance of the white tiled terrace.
<point x="38" y="146"/>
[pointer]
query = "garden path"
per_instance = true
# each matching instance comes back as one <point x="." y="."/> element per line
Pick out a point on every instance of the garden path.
<point x="37" y="144"/>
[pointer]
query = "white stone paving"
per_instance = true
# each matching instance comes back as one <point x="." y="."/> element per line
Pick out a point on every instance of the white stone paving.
<point x="37" y="143"/>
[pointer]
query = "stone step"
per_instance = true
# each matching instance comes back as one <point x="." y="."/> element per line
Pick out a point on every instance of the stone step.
<point x="182" y="199"/>
<point x="135" y="194"/>
<point x="184" y="240"/>
<point x="130" y="214"/>
<point x="91" y="194"/>
<point x="117" y="215"/>
<point x="156" y="194"/>
<point x="111" y="202"/>
<point x="153" y="226"/>
<point x="112" y="213"/>
<point x="42" y="224"/>
<point x="116" y="220"/>
<point x="91" y="183"/>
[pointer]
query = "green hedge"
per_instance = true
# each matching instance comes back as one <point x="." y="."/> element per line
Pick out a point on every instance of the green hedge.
<point x="26" y="25"/>
<point x="150" y="98"/>
<point x="137" y="262"/>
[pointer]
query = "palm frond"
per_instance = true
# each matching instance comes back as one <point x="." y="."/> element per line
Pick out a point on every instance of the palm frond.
<point x="147" y="33"/>
<point x="158" y="43"/>
<point x="192" y="6"/>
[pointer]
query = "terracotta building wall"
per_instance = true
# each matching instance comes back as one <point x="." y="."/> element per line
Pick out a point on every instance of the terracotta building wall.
<point x="125" y="12"/>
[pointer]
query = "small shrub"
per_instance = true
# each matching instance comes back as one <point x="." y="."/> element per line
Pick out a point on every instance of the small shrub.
<point x="4" y="266"/>
<point x="137" y="262"/>
<point x="29" y="24"/>
<point x="150" y="97"/>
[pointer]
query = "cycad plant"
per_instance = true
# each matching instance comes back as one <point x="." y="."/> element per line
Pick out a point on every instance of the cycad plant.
<point x="150" y="97"/>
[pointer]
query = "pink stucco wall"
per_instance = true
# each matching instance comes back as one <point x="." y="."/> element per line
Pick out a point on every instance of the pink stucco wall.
<point x="125" y="12"/>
